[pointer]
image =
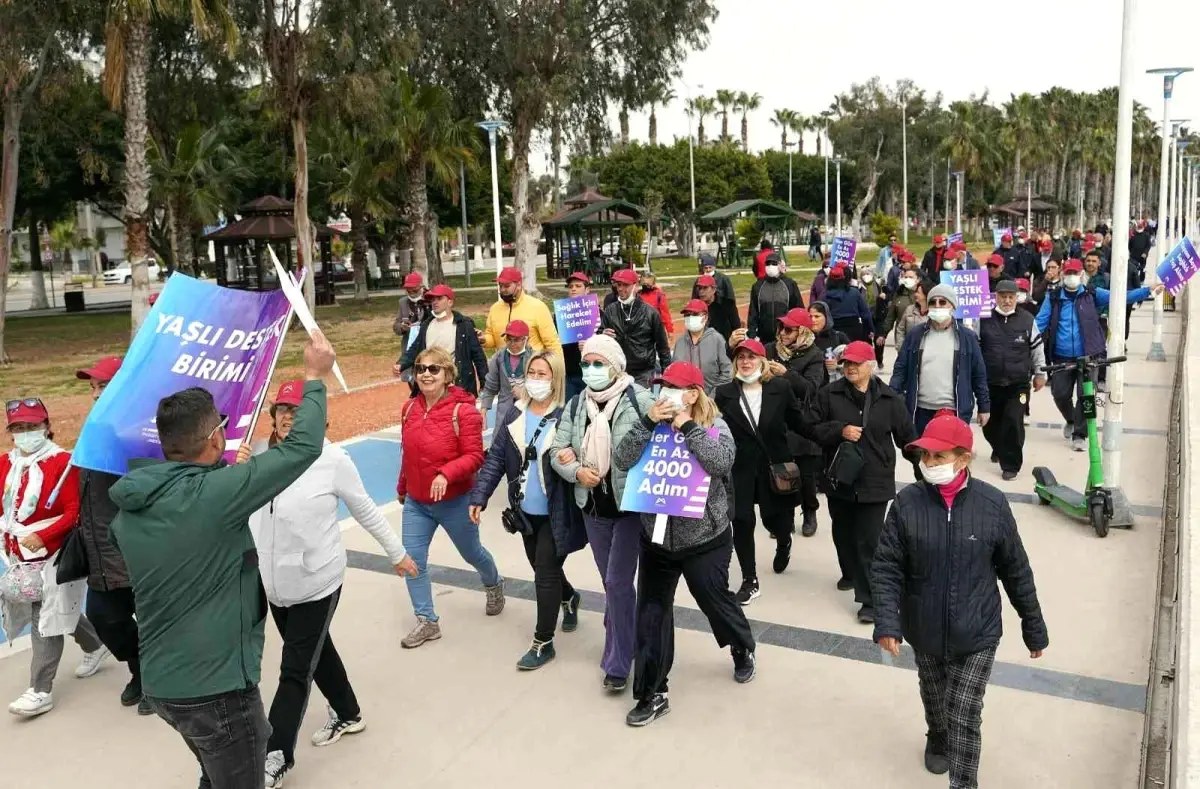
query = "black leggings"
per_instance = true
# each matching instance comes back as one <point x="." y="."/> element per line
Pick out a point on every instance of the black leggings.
<point x="779" y="522"/>
<point x="549" y="582"/>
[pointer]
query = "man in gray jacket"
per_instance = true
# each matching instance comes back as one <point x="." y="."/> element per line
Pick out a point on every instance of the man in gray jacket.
<point x="703" y="347"/>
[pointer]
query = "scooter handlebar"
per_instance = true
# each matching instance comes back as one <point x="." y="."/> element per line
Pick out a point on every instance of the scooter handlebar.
<point x="1059" y="366"/>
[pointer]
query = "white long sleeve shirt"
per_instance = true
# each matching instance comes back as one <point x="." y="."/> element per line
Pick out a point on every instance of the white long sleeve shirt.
<point x="301" y="556"/>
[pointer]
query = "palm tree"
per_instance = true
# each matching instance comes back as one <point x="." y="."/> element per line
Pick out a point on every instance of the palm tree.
<point x="126" y="59"/>
<point x="782" y="120"/>
<point x="822" y="126"/>
<point x="702" y="106"/>
<point x="727" y="99"/>
<point x="747" y="103"/>
<point x="660" y="95"/>
<point x="1020" y="130"/>
<point x="799" y="124"/>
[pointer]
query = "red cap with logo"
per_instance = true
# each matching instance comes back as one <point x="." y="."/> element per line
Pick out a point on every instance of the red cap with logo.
<point x="1023" y="284"/>
<point x="437" y="291"/>
<point x="1072" y="265"/>
<point x="838" y="271"/>
<point x="796" y="318"/>
<point x="858" y="352"/>
<point x="1045" y="245"/>
<point x="625" y="276"/>
<point x="516" y="329"/>
<point x="413" y="280"/>
<point x="581" y="276"/>
<point x="29" y="411"/>
<point x="958" y="246"/>
<point x="1006" y="238"/>
<point x="939" y="239"/>
<point x="943" y="433"/>
<point x="509" y="275"/>
<point x="696" y="307"/>
<point x="102" y="371"/>
<point x="290" y="393"/>
<point x="754" y="346"/>
<point x="995" y="260"/>
<point x="706" y="282"/>
<point x="681" y="375"/>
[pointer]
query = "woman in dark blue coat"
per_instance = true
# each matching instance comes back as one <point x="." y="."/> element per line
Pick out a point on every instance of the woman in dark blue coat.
<point x="542" y="505"/>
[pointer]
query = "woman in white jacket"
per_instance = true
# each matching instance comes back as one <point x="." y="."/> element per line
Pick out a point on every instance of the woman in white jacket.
<point x="303" y="564"/>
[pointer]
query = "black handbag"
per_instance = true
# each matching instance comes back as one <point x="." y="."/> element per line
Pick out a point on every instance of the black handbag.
<point x="784" y="478"/>
<point x="71" y="564"/>
<point x="848" y="461"/>
<point x="513" y="518"/>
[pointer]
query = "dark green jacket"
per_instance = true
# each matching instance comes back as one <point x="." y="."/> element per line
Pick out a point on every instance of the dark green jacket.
<point x="183" y="530"/>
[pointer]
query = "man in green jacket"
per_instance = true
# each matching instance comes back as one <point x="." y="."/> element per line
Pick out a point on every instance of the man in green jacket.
<point x="184" y="533"/>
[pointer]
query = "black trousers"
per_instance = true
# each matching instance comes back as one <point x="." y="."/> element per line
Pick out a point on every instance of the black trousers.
<point x="1005" y="429"/>
<point x="810" y="470"/>
<point x="111" y="613"/>
<point x="780" y="523"/>
<point x="1066" y="386"/>
<point x="549" y="581"/>
<point x="308" y="656"/>
<point x="856" y="529"/>
<point x="227" y="734"/>
<point x="707" y="576"/>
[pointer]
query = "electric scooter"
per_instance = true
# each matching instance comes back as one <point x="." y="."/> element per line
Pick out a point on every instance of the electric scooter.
<point x="1095" y="504"/>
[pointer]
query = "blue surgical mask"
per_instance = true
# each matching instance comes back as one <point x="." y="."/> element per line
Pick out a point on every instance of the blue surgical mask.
<point x="597" y="377"/>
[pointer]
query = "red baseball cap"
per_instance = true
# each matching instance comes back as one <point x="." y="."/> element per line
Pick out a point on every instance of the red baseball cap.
<point x="581" y="276"/>
<point x="626" y="276"/>
<point x="754" y="346"/>
<point x="838" y="271"/>
<point x="939" y="239"/>
<point x="995" y="260"/>
<point x="796" y="318"/>
<point x="290" y="392"/>
<point x="959" y="246"/>
<point x="413" y="280"/>
<point x="681" y="375"/>
<point x="153" y="298"/>
<point x="695" y="306"/>
<point x="440" y="290"/>
<point x="944" y="432"/>
<point x="858" y="352"/>
<point x="516" y="329"/>
<point x="102" y="371"/>
<point x="706" y="282"/>
<point x="29" y="410"/>
<point x="509" y="275"/>
<point x="907" y="257"/>
<point x="1045" y="245"/>
<point x="1006" y="237"/>
<point x="1072" y="265"/>
<point x="1023" y="284"/>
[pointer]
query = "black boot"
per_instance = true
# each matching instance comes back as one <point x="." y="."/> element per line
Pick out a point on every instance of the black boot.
<point x="809" y="527"/>
<point x="783" y="552"/>
<point x="936" y="760"/>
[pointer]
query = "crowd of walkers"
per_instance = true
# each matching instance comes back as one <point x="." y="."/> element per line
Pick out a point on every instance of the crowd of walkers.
<point x="185" y="558"/>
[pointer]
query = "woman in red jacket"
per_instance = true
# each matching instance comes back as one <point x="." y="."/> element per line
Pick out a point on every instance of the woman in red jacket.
<point x="442" y="448"/>
<point x="33" y="532"/>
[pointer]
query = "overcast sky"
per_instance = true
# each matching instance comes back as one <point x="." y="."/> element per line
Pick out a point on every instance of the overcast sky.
<point x="788" y="51"/>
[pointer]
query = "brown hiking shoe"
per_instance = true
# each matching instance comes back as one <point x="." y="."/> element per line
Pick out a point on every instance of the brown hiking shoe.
<point x="495" y="598"/>
<point x="425" y="630"/>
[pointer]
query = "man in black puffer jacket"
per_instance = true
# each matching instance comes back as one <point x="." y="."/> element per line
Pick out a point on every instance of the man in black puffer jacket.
<point x="945" y="544"/>
<point x="637" y="327"/>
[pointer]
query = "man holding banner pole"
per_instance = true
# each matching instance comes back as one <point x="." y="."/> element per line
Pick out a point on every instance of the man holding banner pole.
<point x="183" y="530"/>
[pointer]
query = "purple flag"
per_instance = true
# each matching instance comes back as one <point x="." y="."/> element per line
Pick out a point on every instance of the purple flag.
<point x="842" y="251"/>
<point x="1178" y="267"/>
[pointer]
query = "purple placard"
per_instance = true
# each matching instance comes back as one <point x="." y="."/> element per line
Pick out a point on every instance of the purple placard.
<point x="667" y="480"/>
<point x="842" y="251"/>
<point x="953" y="238"/>
<point x="577" y="318"/>
<point x="973" y="291"/>
<point x="226" y="341"/>
<point x="1178" y="267"/>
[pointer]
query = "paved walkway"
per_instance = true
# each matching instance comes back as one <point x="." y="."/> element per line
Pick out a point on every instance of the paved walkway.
<point x="825" y="710"/>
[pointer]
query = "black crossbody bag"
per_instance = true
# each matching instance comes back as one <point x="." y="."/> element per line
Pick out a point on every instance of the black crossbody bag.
<point x="784" y="477"/>
<point x="848" y="461"/>
<point x="513" y="518"/>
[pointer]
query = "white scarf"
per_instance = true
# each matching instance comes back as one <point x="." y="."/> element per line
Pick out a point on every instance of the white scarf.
<point x="597" y="437"/>
<point x="14" y="512"/>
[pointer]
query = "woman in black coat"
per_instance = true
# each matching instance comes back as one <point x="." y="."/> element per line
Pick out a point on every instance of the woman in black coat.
<point x="759" y="409"/>
<point x="946" y="543"/>
<point x="857" y="506"/>
<point x="796" y="356"/>
<point x="545" y="501"/>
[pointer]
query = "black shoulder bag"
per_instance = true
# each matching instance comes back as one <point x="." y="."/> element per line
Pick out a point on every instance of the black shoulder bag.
<point x="848" y="461"/>
<point x="513" y="518"/>
<point x="784" y="477"/>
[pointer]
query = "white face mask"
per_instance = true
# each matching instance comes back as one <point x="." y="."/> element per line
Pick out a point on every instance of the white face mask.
<point x="416" y="299"/>
<point x="537" y="389"/>
<point x="938" y="475"/>
<point x="1022" y="297"/>
<point x="940" y="314"/>
<point x="751" y="378"/>
<point x="628" y="301"/>
<point x="868" y="278"/>
<point x="597" y="378"/>
<point x="1071" y="281"/>
<point x="517" y="353"/>
<point x="772" y="271"/>
<point x="694" y="322"/>
<point x="674" y="396"/>
<point x="440" y="315"/>
<point x="32" y="442"/>
<point x="1004" y="312"/>
<point x="909" y="283"/>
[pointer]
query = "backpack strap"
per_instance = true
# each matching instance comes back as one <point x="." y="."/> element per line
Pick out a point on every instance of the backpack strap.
<point x="454" y="417"/>
<point x="408" y="407"/>
<point x="633" y="401"/>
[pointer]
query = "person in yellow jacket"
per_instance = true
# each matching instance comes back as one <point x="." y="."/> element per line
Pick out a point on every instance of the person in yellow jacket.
<point x="515" y="305"/>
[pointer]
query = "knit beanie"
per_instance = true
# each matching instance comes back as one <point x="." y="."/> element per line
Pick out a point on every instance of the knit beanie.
<point x="608" y="348"/>
<point x="946" y="292"/>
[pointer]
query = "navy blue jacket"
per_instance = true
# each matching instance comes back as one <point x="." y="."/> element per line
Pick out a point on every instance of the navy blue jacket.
<point x="846" y="303"/>
<point x="970" y="373"/>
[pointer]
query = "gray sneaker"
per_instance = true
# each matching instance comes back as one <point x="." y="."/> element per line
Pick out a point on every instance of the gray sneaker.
<point x="495" y="598"/>
<point x="426" y="630"/>
<point x="1079" y="444"/>
<point x="1068" y="429"/>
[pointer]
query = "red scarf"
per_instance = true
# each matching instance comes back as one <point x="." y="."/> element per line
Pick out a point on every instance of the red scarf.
<point x="951" y="488"/>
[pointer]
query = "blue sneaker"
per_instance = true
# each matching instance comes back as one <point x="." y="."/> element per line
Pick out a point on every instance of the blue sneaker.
<point x="571" y="613"/>
<point x="540" y="653"/>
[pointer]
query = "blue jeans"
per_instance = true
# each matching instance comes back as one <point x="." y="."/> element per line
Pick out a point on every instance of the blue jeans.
<point x="419" y="524"/>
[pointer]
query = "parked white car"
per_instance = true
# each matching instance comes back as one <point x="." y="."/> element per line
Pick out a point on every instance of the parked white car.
<point x="123" y="274"/>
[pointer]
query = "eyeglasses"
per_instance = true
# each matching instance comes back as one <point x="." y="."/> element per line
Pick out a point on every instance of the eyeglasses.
<point x="29" y="402"/>
<point x="939" y="302"/>
<point x="598" y="365"/>
<point x="432" y="369"/>
<point x="220" y="426"/>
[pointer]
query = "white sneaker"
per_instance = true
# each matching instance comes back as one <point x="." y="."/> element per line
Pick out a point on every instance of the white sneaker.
<point x="32" y="703"/>
<point x="335" y="728"/>
<point x="276" y="769"/>
<point x="91" y="662"/>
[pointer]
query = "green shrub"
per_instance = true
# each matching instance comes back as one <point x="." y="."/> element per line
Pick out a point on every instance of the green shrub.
<point x="749" y="233"/>
<point x="883" y="226"/>
<point x="632" y="237"/>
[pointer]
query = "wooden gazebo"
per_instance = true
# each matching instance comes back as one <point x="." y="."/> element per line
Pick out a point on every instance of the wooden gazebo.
<point x="576" y="235"/>
<point x="241" y="248"/>
<point x="1042" y="212"/>
<point x="769" y="214"/>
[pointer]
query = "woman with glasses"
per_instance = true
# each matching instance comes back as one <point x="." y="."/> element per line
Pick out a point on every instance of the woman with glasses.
<point x="442" y="448"/>
<point x="593" y="424"/>
<point x="303" y="565"/>
<point x="34" y="524"/>
<point x="540" y="502"/>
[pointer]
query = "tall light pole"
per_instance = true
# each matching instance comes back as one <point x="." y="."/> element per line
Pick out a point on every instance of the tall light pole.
<point x="462" y="201"/>
<point x="837" y="161"/>
<point x="958" y="185"/>
<point x="1157" y="354"/>
<point x="788" y="145"/>
<point x="492" y="127"/>
<point x="826" y="133"/>
<point x="1111" y="438"/>
<point x="947" y="195"/>
<point x="1029" y="205"/>
<point x="1177" y="212"/>
<point x="904" y="157"/>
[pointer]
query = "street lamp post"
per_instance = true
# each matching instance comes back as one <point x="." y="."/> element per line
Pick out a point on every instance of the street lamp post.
<point x="826" y="133"/>
<point x="837" y="161"/>
<point x="462" y="201"/>
<point x="947" y="196"/>
<point x="788" y="145"/>
<point x="904" y="157"/>
<point x="1157" y="354"/>
<point x="492" y="127"/>
<point x="958" y="184"/>
<point x="1029" y="205"/>
<point x="1181" y="145"/>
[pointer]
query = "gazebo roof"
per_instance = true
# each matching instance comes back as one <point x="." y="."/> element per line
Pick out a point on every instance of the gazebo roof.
<point x="609" y="212"/>
<point x="586" y="197"/>
<point x="267" y="218"/>
<point x="1019" y="206"/>
<point x="765" y="209"/>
